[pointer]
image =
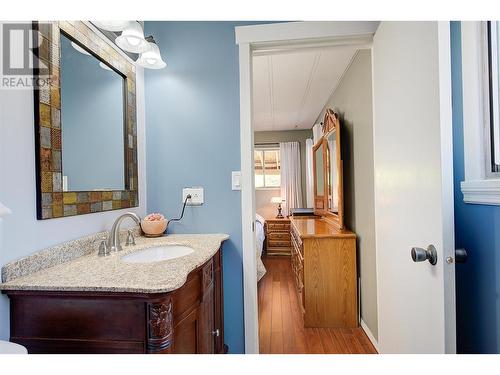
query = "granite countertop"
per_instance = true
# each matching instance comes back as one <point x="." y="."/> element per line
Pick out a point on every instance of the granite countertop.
<point x="90" y="272"/>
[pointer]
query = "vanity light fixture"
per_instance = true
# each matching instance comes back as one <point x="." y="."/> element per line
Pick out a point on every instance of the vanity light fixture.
<point x="84" y="52"/>
<point x="151" y="59"/>
<point x="132" y="38"/>
<point x="111" y="25"/>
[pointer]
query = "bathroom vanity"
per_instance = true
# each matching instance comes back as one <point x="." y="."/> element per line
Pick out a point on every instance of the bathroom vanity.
<point x="93" y="304"/>
<point x="93" y="295"/>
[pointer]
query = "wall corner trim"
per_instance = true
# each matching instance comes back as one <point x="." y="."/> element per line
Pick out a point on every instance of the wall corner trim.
<point x="370" y="335"/>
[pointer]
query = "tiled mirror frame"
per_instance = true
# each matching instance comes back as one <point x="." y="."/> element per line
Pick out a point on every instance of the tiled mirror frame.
<point x="52" y="201"/>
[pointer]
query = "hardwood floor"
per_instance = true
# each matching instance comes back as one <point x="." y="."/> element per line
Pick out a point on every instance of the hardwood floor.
<point x="281" y="326"/>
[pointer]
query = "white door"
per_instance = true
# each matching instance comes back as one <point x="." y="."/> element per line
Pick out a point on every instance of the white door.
<point x="413" y="186"/>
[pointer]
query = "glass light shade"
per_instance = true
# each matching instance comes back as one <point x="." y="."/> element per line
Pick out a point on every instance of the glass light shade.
<point x="132" y="39"/>
<point x="4" y="210"/>
<point x="151" y="59"/>
<point x="105" y="66"/>
<point x="276" y="200"/>
<point x="111" y="25"/>
<point x="80" y="49"/>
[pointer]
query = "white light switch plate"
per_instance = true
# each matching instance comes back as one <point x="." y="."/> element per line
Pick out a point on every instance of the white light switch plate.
<point x="236" y="180"/>
<point x="196" y="193"/>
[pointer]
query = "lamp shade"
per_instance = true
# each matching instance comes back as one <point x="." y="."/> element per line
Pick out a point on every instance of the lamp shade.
<point x="151" y="59"/>
<point x="276" y="200"/>
<point x="132" y="39"/>
<point x="111" y="25"/>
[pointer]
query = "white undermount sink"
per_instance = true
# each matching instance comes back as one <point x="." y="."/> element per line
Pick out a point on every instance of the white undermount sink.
<point x="157" y="254"/>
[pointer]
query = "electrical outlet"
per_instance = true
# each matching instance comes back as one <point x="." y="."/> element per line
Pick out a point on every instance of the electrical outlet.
<point x="196" y="193"/>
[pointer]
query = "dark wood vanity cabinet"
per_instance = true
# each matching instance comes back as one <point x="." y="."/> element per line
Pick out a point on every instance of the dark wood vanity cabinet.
<point x="187" y="320"/>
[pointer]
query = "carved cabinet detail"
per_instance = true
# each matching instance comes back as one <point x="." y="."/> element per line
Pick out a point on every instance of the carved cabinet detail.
<point x="160" y="322"/>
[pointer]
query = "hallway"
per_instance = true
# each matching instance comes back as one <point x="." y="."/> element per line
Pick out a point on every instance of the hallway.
<point x="281" y="326"/>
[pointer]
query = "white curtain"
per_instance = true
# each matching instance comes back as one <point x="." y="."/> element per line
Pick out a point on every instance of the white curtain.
<point x="309" y="173"/>
<point x="317" y="133"/>
<point x="291" y="184"/>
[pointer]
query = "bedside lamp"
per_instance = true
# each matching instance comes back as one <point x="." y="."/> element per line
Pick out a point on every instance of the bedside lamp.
<point x="278" y="200"/>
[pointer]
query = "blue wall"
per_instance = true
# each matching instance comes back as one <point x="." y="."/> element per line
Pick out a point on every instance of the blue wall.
<point x="193" y="139"/>
<point x="477" y="229"/>
<point x="92" y="122"/>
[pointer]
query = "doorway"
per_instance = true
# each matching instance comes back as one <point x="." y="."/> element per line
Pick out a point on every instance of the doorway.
<point x="431" y="78"/>
<point x="292" y="90"/>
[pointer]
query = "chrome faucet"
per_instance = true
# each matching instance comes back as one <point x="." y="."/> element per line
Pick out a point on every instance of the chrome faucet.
<point x="114" y="236"/>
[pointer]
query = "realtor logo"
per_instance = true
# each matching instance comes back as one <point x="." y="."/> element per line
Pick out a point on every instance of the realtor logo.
<point x="21" y="68"/>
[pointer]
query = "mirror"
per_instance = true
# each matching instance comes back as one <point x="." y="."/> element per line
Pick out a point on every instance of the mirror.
<point x="85" y="119"/>
<point x="332" y="173"/>
<point x="327" y="164"/>
<point x="92" y="121"/>
<point x="320" y="188"/>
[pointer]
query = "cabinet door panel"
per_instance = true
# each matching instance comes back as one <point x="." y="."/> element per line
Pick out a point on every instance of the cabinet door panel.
<point x="206" y="341"/>
<point x="219" y="305"/>
<point x="207" y="310"/>
<point x="186" y="334"/>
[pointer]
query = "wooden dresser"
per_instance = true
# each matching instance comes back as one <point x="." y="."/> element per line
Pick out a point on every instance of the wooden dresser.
<point x="278" y="236"/>
<point x="324" y="263"/>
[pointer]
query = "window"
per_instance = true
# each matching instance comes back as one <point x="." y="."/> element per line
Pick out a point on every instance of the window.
<point x="480" y="42"/>
<point x="267" y="167"/>
<point x="492" y="136"/>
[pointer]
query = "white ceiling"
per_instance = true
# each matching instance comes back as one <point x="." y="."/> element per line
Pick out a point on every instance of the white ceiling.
<point x="290" y="89"/>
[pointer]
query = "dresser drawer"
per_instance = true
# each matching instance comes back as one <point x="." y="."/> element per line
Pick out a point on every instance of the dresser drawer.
<point x="280" y="236"/>
<point x="298" y="273"/>
<point x="298" y="247"/>
<point x="295" y="236"/>
<point x="283" y="227"/>
<point x="278" y="243"/>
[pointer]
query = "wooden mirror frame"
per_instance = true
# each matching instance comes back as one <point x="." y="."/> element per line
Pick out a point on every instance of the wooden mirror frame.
<point x="319" y="200"/>
<point x="52" y="201"/>
<point x="330" y="124"/>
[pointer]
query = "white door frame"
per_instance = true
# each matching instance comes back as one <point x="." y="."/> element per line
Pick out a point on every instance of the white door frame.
<point x="264" y="39"/>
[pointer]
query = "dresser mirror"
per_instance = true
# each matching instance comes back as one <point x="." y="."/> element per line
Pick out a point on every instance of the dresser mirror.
<point x="320" y="187"/>
<point x="85" y="123"/>
<point x="328" y="173"/>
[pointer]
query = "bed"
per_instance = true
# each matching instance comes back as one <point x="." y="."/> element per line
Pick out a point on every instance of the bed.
<point x="259" y="245"/>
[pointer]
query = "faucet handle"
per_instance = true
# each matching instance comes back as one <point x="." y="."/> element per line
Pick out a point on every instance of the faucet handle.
<point x="130" y="238"/>
<point x="103" y="246"/>
<point x="103" y="249"/>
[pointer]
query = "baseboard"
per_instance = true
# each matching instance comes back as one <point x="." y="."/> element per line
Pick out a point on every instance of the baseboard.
<point x="370" y="335"/>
